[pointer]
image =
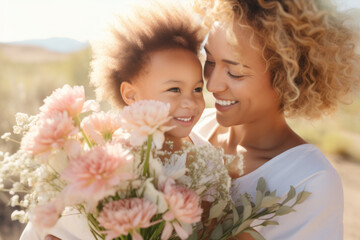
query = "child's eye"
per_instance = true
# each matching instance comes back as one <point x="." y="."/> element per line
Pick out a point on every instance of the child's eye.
<point x="174" y="89"/>
<point x="199" y="89"/>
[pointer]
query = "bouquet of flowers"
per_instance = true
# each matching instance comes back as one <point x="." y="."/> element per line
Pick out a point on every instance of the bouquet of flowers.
<point x="110" y="167"/>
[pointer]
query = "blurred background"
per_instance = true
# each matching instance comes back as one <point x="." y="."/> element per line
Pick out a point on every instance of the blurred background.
<point x="44" y="44"/>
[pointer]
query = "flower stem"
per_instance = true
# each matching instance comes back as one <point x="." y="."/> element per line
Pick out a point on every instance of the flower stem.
<point x="146" y="171"/>
<point x="77" y="123"/>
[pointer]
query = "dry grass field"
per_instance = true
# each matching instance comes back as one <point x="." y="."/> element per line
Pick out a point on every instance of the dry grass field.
<point x="26" y="79"/>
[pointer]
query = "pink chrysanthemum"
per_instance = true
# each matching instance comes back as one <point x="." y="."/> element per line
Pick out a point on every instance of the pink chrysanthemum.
<point x="101" y="126"/>
<point x="51" y="131"/>
<point x="46" y="216"/>
<point x="145" y="118"/>
<point x="184" y="209"/>
<point x="68" y="99"/>
<point x="96" y="173"/>
<point x="126" y="216"/>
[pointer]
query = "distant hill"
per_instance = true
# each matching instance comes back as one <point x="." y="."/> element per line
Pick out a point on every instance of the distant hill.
<point x="57" y="44"/>
<point x="30" y="54"/>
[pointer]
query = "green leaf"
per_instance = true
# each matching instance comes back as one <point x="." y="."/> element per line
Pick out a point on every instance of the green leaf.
<point x="255" y="235"/>
<point x="228" y="224"/>
<point x="235" y="215"/>
<point x="217" y="232"/>
<point x="302" y="197"/>
<point x="217" y="210"/>
<point x="268" y="201"/>
<point x="269" y="222"/>
<point x="242" y="226"/>
<point x="247" y="207"/>
<point x="291" y="194"/>
<point x="284" y="210"/>
<point x="261" y="185"/>
<point x="258" y="199"/>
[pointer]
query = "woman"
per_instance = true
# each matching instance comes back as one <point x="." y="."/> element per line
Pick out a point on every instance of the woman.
<point x="268" y="60"/>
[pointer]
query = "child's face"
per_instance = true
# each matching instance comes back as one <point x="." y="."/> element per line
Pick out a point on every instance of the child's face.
<point x="174" y="76"/>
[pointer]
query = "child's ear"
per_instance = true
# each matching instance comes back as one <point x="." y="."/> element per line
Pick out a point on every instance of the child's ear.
<point x="128" y="92"/>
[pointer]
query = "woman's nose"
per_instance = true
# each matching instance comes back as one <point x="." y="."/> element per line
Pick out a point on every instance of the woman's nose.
<point x="215" y="81"/>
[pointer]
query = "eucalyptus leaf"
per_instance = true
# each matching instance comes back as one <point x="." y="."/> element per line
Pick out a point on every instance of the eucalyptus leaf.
<point x="242" y="227"/>
<point x="247" y="207"/>
<point x="255" y="235"/>
<point x="193" y="236"/>
<point x="261" y="185"/>
<point x="269" y="222"/>
<point x="228" y="223"/>
<point x="302" y="197"/>
<point x="291" y="194"/>
<point x="284" y="210"/>
<point x="268" y="201"/>
<point x="258" y="199"/>
<point x="217" y="210"/>
<point x="235" y="215"/>
<point x="217" y="232"/>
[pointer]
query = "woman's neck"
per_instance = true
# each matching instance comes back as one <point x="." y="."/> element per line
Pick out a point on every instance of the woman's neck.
<point x="266" y="137"/>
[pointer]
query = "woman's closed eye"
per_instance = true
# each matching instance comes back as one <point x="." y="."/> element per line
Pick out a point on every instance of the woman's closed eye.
<point x="235" y="76"/>
<point x="210" y="63"/>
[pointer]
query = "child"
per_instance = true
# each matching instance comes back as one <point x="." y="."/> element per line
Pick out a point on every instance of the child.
<point x="152" y="54"/>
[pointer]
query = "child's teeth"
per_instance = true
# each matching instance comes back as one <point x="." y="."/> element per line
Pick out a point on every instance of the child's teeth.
<point x="184" y="119"/>
<point x="224" y="102"/>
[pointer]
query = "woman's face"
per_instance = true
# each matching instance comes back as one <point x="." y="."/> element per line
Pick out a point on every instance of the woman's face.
<point x="239" y="82"/>
<point x="174" y="76"/>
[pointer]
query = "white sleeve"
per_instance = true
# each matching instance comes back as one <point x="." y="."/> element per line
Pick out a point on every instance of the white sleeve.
<point x="319" y="217"/>
<point x="29" y="233"/>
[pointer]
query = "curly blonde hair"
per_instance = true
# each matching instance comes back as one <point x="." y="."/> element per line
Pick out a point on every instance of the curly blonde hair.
<point x="309" y="50"/>
<point x="123" y="54"/>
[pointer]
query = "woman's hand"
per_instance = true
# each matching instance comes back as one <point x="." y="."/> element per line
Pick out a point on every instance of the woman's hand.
<point x="51" y="237"/>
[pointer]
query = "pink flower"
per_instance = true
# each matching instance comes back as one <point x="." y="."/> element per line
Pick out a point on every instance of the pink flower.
<point x="68" y="99"/>
<point x="101" y="126"/>
<point x="51" y="131"/>
<point x="127" y="216"/>
<point x="96" y="173"/>
<point x="184" y="209"/>
<point x="46" y="216"/>
<point x="145" y="118"/>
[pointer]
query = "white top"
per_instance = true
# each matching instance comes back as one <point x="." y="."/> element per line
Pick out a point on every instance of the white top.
<point x="73" y="225"/>
<point x="304" y="167"/>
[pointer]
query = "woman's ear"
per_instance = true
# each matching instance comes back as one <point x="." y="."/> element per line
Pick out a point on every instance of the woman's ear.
<point x="128" y="92"/>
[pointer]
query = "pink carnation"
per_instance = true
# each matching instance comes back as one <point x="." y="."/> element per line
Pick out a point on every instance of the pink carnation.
<point x="96" y="173"/>
<point x="184" y="208"/>
<point x="68" y="99"/>
<point x="127" y="216"/>
<point x="101" y="126"/>
<point x="51" y="131"/>
<point x="46" y="216"/>
<point x="145" y="118"/>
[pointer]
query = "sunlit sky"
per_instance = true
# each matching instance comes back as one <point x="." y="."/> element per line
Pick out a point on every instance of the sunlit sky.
<point x="78" y="19"/>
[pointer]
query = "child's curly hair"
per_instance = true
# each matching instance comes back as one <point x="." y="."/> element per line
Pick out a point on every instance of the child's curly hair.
<point x="124" y="53"/>
<point x="308" y="49"/>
